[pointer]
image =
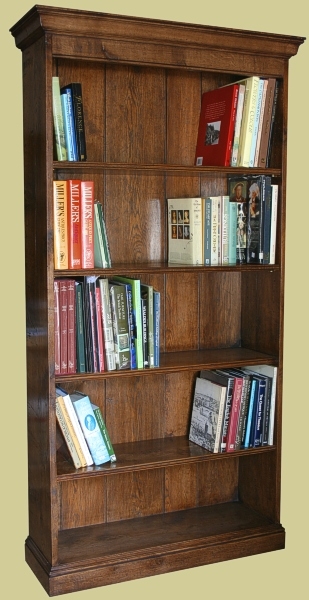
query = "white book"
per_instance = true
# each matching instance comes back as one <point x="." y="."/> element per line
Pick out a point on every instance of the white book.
<point x="207" y="414"/>
<point x="238" y="120"/>
<point x="225" y="217"/>
<point x="186" y="231"/>
<point x="214" y="237"/>
<point x="273" y="223"/>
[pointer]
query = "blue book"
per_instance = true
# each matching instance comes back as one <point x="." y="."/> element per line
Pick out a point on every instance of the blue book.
<point x="257" y="423"/>
<point x="156" y="327"/>
<point x="69" y="126"/>
<point x="90" y="427"/>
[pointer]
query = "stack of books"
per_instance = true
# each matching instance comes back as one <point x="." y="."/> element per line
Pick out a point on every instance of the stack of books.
<point x="80" y="237"/>
<point x="105" y="324"/>
<point x="225" y="230"/>
<point x="233" y="409"/>
<point x="68" y="117"/>
<point x="83" y="429"/>
<point x="236" y="124"/>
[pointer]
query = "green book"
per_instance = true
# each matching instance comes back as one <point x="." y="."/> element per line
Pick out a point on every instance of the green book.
<point x="58" y="121"/>
<point x="80" y="333"/>
<point x="105" y="434"/>
<point x="137" y="316"/>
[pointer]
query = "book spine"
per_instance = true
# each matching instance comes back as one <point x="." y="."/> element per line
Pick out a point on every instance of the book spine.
<point x="105" y="241"/>
<point x="226" y="418"/>
<point x="197" y="231"/>
<point x="58" y="121"/>
<point x="91" y="430"/>
<point x="78" y="110"/>
<point x="231" y="127"/>
<point x="107" y="325"/>
<point x="99" y="252"/>
<point x="242" y="412"/>
<point x="234" y="415"/>
<point x="258" y="142"/>
<point x="156" y="328"/>
<point x="266" y="122"/>
<point x="144" y="331"/>
<point x="257" y="429"/>
<point x="78" y="431"/>
<point x="272" y="408"/>
<point x="239" y="112"/>
<point x="225" y="201"/>
<point x="80" y="333"/>
<point x="267" y="221"/>
<point x="67" y="436"/>
<point x="60" y="205"/>
<point x="232" y="232"/>
<point x="87" y="224"/>
<point x="273" y="227"/>
<point x="256" y="122"/>
<point x="219" y="230"/>
<point x="250" y="413"/>
<point x="70" y="115"/>
<point x="272" y="122"/>
<point x="147" y="292"/>
<point x="214" y="231"/>
<point x="220" y="421"/>
<point x="104" y="432"/>
<point x="131" y="325"/>
<point x="71" y="326"/>
<point x="120" y="326"/>
<point x="207" y="232"/>
<point x="101" y="365"/>
<point x="67" y="125"/>
<point x="74" y="224"/>
<point x="63" y="298"/>
<point x="57" y="326"/>
<point x="247" y="121"/>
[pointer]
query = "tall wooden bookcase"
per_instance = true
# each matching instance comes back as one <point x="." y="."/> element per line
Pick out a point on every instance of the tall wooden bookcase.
<point x="166" y="504"/>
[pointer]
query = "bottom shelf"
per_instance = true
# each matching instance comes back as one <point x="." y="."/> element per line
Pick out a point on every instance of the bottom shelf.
<point x="104" y="554"/>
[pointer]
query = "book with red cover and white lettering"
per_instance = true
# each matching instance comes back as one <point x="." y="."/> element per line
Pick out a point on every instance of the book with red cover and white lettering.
<point x="216" y="126"/>
<point x="87" y="223"/>
<point x="71" y="326"/>
<point x="74" y="224"/>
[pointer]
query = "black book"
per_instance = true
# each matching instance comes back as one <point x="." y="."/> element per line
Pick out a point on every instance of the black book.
<point x="78" y="111"/>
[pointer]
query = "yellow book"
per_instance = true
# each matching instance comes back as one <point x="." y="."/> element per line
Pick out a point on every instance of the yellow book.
<point x="67" y="436"/>
<point x="61" y="246"/>
<point x="82" y="460"/>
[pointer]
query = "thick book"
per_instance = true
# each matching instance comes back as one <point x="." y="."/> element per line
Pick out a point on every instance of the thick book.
<point x="244" y="400"/>
<point x="99" y="252"/>
<point x="82" y="445"/>
<point x="69" y="126"/>
<point x="267" y="200"/>
<point x="90" y="427"/>
<point x="121" y="329"/>
<point x="207" y="414"/>
<point x="185" y="231"/>
<point x="259" y="219"/>
<point x="228" y="383"/>
<point x="104" y="431"/>
<point x="61" y="150"/>
<point x="60" y="207"/>
<point x="246" y="133"/>
<point x="238" y="192"/>
<point x="216" y="126"/>
<point x="272" y="123"/>
<point x="257" y="422"/>
<point x="67" y="434"/>
<point x="90" y="326"/>
<point x="107" y="320"/>
<point x="57" y="326"/>
<point x="79" y="121"/>
<point x="87" y="223"/>
<point x="144" y="331"/>
<point x="137" y="317"/>
<point x="74" y="224"/>
<point x="129" y="300"/>
<point x="265" y="133"/>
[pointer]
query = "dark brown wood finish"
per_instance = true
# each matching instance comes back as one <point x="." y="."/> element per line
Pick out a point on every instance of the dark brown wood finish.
<point x="166" y="504"/>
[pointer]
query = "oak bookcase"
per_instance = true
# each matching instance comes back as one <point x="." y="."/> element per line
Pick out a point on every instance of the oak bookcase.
<point x="166" y="504"/>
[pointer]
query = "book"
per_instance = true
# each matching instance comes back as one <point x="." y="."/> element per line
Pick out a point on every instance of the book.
<point x="235" y="409"/>
<point x="68" y="124"/>
<point x="57" y="326"/>
<point x="67" y="434"/>
<point x="147" y="295"/>
<point x="251" y="407"/>
<point x="265" y="133"/>
<point x="244" y="400"/>
<point x="144" y="331"/>
<point x="121" y="330"/>
<point x="257" y="421"/>
<point x="63" y="305"/>
<point x="60" y="208"/>
<point x="207" y="231"/>
<point x="270" y="372"/>
<point x="128" y="290"/>
<point x="80" y="332"/>
<point x="99" y="251"/>
<point x="216" y="126"/>
<point x="256" y="122"/>
<point x="185" y="231"/>
<point x="60" y="144"/>
<point x="258" y="141"/>
<point x="87" y="223"/>
<point x="107" y="321"/>
<point x="215" y="231"/>
<point x="238" y="192"/>
<point x="207" y="414"/>
<point x="232" y="232"/>
<point x="238" y="121"/>
<point x="272" y="122"/>
<point x="273" y="226"/>
<point x="259" y="215"/>
<point x="227" y="383"/>
<point x="107" y="253"/>
<point x="99" y="327"/>
<point x="79" y="121"/>
<point x="64" y="399"/>
<point x="104" y="432"/>
<point x="74" y="224"/>
<point x="71" y="308"/>
<point x="90" y="427"/>
<point x="156" y="326"/>
<point x="91" y="342"/>
<point x="246" y="132"/>
<point x="137" y="317"/>
<point x="225" y="217"/>
<point x="267" y="200"/>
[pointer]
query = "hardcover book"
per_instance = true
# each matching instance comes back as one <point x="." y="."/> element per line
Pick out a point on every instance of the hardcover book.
<point x="69" y="125"/>
<point x="74" y="224"/>
<point x="247" y="124"/>
<point x="87" y="223"/>
<point x="61" y="150"/>
<point x="238" y="191"/>
<point x="107" y="321"/>
<point x="90" y="427"/>
<point x="78" y="112"/>
<point x="185" y="231"/>
<point x="216" y="126"/>
<point x="104" y="431"/>
<point x="266" y="125"/>
<point x="207" y="414"/>
<point x="65" y="400"/>
<point x="60" y="206"/>
<point x="137" y="317"/>
<point x="121" y="329"/>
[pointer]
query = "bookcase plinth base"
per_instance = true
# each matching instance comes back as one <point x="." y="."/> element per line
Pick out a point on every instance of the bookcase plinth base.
<point x="191" y="538"/>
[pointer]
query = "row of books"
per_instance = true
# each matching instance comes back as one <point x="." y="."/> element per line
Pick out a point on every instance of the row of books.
<point x="104" y="325"/>
<point x="83" y="429"/>
<point x="225" y="230"/>
<point x="236" y="124"/>
<point x="80" y="237"/>
<point x="233" y="409"/>
<point x="68" y="117"/>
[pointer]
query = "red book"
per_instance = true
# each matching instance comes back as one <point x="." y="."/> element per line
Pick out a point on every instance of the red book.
<point x="63" y="303"/>
<point x="87" y="223"/>
<point x="99" y="330"/>
<point x="57" y="326"/>
<point x="74" y="225"/>
<point x="71" y="327"/>
<point x="216" y="126"/>
<point x="234" y="414"/>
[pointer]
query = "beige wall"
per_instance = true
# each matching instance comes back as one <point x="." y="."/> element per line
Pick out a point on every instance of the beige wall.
<point x="272" y="575"/>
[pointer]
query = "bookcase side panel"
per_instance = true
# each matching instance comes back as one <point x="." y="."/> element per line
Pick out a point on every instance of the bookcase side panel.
<point x="38" y="148"/>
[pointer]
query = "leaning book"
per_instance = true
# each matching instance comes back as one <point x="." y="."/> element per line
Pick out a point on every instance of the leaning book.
<point x="207" y="414"/>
